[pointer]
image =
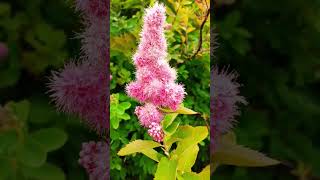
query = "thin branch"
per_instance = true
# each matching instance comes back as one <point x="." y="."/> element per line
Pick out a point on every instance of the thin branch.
<point x="200" y="36"/>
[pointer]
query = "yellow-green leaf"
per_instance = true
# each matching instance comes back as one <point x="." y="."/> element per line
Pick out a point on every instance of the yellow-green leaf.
<point x="172" y="128"/>
<point x="184" y="110"/>
<point x="167" y="169"/>
<point x="152" y="154"/>
<point x="198" y="134"/>
<point x="189" y="176"/>
<point x="205" y="173"/>
<point x="138" y="146"/>
<point x="187" y="158"/>
<point x="233" y="154"/>
<point x="168" y="119"/>
<point x="180" y="110"/>
<point x="191" y="135"/>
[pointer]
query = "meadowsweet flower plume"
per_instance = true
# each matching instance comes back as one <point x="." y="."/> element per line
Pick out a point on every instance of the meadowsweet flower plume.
<point x="155" y="79"/>
<point x="224" y="100"/>
<point x="148" y="114"/>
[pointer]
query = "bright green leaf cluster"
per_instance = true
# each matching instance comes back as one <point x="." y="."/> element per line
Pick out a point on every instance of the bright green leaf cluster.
<point x="117" y="111"/>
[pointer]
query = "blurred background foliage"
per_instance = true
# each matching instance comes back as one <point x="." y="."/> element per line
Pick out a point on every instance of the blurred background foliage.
<point x="36" y="142"/>
<point x="186" y="17"/>
<point x="274" y="46"/>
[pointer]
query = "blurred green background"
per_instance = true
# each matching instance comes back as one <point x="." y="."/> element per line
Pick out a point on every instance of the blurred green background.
<point x="274" y="46"/>
<point x="36" y="142"/>
<point x="186" y="17"/>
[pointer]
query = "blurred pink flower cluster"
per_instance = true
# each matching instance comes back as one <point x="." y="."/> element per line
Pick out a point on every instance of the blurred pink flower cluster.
<point x="155" y="80"/>
<point x="81" y="88"/>
<point x="94" y="157"/>
<point x="3" y="51"/>
<point x="224" y="98"/>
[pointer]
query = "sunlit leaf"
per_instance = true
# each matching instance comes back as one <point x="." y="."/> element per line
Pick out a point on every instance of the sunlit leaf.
<point x="167" y="169"/>
<point x="137" y="146"/>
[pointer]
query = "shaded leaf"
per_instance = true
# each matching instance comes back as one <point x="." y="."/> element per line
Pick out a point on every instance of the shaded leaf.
<point x="233" y="154"/>
<point x="31" y="154"/>
<point x="47" y="171"/>
<point x="50" y="139"/>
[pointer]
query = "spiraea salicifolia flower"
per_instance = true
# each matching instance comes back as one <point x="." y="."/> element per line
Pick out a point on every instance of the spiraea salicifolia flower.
<point x="81" y="88"/>
<point x="224" y="101"/>
<point x="155" y="79"/>
<point x="94" y="157"/>
<point x="148" y="114"/>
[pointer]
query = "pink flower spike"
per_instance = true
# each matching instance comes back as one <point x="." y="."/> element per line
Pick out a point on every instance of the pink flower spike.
<point x="155" y="79"/>
<point x="134" y="89"/>
<point x="148" y="114"/>
<point x="156" y="132"/>
<point x="174" y="94"/>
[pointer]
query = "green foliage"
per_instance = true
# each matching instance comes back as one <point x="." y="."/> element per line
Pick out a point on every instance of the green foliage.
<point x="180" y="160"/>
<point x="117" y="111"/>
<point x="37" y="142"/>
<point x="273" y="50"/>
<point x="26" y="150"/>
<point x="142" y="146"/>
<point x="167" y="169"/>
<point x="57" y="138"/>
<point x="46" y="171"/>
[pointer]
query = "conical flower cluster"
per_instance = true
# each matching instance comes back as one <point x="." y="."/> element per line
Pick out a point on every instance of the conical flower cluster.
<point x="224" y="100"/>
<point x="155" y="80"/>
<point x="81" y="88"/>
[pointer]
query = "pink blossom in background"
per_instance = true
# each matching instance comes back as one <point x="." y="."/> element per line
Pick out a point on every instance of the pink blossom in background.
<point x="79" y="91"/>
<point x="3" y="51"/>
<point x="94" y="157"/>
<point x="93" y="8"/>
<point x="155" y="80"/>
<point x="95" y="36"/>
<point x="224" y="100"/>
<point x="81" y="88"/>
